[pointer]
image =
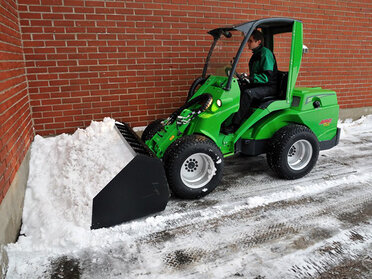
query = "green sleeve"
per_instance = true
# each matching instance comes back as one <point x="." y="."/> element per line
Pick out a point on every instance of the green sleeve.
<point x="260" y="78"/>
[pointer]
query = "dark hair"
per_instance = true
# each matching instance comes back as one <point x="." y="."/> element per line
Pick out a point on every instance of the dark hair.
<point x="258" y="36"/>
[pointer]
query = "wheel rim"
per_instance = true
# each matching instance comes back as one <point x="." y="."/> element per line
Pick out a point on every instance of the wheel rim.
<point x="197" y="170"/>
<point x="299" y="155"/>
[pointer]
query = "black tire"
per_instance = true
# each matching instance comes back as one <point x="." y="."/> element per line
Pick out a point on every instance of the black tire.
<point x="187" y="162"/>
<point x="152" y="129"/>
<point x="269" y="160"/>
<point x="293" y="151"/>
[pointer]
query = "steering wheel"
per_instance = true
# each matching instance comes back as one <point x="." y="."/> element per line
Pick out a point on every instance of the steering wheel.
<point x="228" y="71"/>
<point x="243" y="77"/>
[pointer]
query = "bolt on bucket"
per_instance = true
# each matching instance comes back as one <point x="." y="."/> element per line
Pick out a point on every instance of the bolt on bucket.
<point x="138" y="190"/>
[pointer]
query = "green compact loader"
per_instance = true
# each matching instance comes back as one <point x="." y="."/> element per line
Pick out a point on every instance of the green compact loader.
<point x="184" y="154"/>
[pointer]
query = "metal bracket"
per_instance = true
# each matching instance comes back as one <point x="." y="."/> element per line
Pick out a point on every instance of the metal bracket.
<point x="181" y="120"/>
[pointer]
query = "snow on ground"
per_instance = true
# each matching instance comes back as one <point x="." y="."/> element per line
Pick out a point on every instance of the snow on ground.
<point x="252" y="225"/>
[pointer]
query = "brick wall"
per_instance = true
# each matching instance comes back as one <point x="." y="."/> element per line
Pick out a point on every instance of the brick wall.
<point x="15" y="118"/>
<point x="134" y="60"/>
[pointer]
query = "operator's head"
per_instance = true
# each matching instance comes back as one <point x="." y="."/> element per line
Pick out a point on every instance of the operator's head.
<point x="255" y="40"/>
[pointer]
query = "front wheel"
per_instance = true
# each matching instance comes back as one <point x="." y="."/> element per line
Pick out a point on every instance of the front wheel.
<point x="150" y="131"/>
<point x="193" y="165"/>
<point x="293" y="151"/>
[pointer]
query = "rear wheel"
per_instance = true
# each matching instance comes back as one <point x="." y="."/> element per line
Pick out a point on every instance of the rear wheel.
<point x="193" y="165"/>
<point x="293" y="151"/>
<point x="152" y="129"/>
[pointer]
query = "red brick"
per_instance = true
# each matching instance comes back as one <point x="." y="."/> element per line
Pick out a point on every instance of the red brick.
<point x="94" y="3"/>
<point x="62" y="9"/>
<point x="76" y="3"/>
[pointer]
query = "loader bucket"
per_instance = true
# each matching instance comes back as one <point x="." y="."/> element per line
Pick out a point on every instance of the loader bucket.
<point x="139" y="189"/>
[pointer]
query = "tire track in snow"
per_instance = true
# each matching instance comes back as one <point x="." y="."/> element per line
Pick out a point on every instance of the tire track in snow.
<point x="268" y="231"/>
<point x="339" y="252"/>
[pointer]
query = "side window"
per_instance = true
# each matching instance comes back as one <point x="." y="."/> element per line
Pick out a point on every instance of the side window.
<point x="282" y="50"/>
<point x="224" y="52"/>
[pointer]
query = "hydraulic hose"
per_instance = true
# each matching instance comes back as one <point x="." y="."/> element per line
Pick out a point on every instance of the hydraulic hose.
<point x="194" y="85"/>
<point x="205" y="101"/>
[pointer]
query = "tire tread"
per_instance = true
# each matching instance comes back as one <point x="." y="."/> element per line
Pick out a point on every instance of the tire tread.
<point x="152" y="129"/>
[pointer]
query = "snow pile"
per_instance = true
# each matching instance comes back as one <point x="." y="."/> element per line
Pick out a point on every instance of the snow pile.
<point x="352" y="130"/>
<point x="66" y="172"/>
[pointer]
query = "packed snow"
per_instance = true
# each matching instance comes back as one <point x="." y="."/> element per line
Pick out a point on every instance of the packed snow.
<point x="67" y="171"/>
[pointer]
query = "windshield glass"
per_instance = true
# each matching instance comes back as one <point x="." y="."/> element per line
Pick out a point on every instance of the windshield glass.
<point x="224" y="53"/>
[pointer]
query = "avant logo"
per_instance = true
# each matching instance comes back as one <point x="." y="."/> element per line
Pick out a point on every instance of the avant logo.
<point x="325" y="122"/>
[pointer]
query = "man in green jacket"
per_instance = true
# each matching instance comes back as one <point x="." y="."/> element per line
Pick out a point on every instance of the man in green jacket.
<point x="261" y="80"/>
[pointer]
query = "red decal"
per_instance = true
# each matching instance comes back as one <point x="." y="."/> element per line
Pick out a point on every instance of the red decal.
<point x="325" y="122"/>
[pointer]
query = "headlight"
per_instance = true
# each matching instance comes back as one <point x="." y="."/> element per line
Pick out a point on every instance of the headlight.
<point x="219" y="103"/>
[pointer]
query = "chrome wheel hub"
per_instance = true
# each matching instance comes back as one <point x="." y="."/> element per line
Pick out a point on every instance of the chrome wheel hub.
<point x="197" y="170"/>
<point x="299" y="155"/>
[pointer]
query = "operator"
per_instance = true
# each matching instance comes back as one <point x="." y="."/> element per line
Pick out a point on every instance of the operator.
<point x="261" y="81"/>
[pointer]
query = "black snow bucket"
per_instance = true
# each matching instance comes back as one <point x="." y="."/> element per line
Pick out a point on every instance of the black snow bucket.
<point x="138" y="190"/>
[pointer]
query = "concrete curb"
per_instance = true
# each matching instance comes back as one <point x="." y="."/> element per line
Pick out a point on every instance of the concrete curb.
<point x="354" y="113"/>
<point x="11" y="210"/>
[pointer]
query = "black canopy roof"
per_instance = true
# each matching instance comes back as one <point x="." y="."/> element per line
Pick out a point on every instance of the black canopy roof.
<point x="282" y="24"/>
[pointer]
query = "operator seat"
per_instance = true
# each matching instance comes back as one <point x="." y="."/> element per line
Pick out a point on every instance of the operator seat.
<point x="281" y="90"/>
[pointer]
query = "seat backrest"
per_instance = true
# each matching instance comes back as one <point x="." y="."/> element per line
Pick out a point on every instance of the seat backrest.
<point x="281" y="90"/>
<point x="282" y="80"/>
